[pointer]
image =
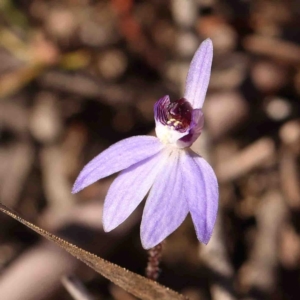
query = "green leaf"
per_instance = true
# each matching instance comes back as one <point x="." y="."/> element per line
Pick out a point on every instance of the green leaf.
<point x="135" y="284"/>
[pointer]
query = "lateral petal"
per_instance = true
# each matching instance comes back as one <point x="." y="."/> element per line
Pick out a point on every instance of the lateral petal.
<point x="199" y="74"/>
<point x="117" y="157"/>
<point x="196" y="127"/>
<point x="166" y="207"/>
<point x="201" y="189"/>
<point x="129" y="189"/>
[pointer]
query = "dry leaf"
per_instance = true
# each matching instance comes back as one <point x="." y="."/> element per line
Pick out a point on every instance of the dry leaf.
<point x="137" y="285"/>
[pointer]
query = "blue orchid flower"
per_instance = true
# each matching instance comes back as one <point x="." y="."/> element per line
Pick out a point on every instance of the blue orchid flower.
<point x="179" y="180"/>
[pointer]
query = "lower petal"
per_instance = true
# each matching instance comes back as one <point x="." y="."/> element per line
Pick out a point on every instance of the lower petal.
<point x="166" y="207"/>
<point x="117" y="157"/>
<point x="129" y="189"/>
<point x="201" y="190"/>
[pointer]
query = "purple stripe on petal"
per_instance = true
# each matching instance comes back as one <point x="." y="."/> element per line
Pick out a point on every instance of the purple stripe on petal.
<point x="116" y="158"/>
<point x="166" y="207"/>
<point x="199" y="74"/>
<point x="129" y="189"/>
<point x="201" y="190"/>
<point x="161" y="110"/>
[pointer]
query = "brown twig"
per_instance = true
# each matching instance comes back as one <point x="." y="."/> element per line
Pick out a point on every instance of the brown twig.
<point x="254" y="156"/>
<point x="258" y="275"/>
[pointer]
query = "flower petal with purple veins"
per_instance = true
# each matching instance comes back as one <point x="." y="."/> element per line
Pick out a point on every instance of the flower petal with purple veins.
<point x="117" y="157"/>
<point x="161" y="110"/>
<point x="199" y="74"/>
<point x="196" y="127"/>
<point x="173" y="119"/>
<point x="166" y="207"/>
<point x="201" y="190"/>
<point x="130" y="188"/>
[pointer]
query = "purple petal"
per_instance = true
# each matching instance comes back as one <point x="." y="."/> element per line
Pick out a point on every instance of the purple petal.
<point x="116" y="158"/>
<point x="165" y="208"/>
<point x="201" y="190"/>
<point x="129" y="189"/>
<point x="161" y="109"/>
<point x="196" y="127"/>
<point x="199" y="74"/>
<point x="168" y="133"/>
<point x="197" y="122"/>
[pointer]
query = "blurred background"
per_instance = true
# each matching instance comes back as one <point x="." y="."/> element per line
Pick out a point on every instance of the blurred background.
<point x="79" y="75"/>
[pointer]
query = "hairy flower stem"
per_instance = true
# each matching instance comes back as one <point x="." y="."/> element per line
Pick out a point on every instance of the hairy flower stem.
<point x="154" y="257"/>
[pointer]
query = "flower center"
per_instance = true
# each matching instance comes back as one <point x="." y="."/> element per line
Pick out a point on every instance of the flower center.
<point x="179" y="114"/>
